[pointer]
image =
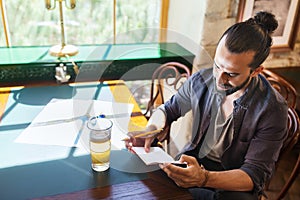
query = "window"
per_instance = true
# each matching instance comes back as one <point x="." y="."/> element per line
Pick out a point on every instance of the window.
<point x="29" y="23"/>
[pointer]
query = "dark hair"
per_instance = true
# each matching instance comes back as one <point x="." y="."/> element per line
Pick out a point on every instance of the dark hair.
<point x="253" y="34"/>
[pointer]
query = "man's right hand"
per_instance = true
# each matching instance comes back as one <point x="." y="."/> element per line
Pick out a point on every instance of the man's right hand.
<point x="141" y="141"/>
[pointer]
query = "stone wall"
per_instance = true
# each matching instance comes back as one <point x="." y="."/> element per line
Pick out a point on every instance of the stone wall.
<point x="219" y="15"/>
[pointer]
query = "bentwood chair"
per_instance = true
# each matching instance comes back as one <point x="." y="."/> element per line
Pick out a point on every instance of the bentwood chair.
<point x="171" y="74"/>
<point x="290" y="94"/>
<point x="167" y="77"/>
<point x="293" y="137"/>
<point x="293" y="176"/>
<point x="282" y="86"/>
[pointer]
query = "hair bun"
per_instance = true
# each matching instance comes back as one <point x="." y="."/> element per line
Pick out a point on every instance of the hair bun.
<point x="266" y="20"/>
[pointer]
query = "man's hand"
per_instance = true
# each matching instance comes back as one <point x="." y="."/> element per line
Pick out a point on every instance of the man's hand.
<point x="141" y="141"/>
<point x="193" y="175"/>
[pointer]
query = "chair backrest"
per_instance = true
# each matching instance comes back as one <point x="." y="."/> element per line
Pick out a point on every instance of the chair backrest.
<point x="282" y="86"/>
<point x="171" y="74"/>
<point x="293" y="131"/>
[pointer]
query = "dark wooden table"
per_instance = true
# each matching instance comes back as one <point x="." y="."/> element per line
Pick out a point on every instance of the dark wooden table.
<point x="157" y="186"/>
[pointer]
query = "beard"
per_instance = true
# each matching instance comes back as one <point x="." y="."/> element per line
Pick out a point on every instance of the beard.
<point x="229" y="89"/>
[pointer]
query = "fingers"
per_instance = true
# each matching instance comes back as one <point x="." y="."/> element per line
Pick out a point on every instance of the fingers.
<point x="184" y="177"/>
<point x="129" y="146"/>
<point x="140" y="141"/>
<point x="173" y="171"/>
<point x="177" y="174"/>
<point x="188" y="159"/>
<point x="131" y="142"/>
<point x="147" y="145"/>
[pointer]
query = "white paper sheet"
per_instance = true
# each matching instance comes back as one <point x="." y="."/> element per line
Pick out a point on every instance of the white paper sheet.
<point x="155" y="156"/>
<point x="63" y="123"/>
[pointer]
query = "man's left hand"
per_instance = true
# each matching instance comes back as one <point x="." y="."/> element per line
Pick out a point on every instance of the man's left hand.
<point x="191" y="176"/>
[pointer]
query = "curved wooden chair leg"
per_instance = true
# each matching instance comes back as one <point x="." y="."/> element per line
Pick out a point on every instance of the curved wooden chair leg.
<point x="292" y="178"/>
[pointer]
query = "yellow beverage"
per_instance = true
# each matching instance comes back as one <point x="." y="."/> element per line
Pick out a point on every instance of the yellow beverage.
<point x="100" y="153"/>
<point x="100" y="134"/>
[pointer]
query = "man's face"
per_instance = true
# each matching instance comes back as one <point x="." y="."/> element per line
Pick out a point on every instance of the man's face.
<point x="231" y="70"/>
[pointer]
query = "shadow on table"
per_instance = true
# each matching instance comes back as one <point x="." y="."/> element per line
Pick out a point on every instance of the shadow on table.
<point x="57" y="177"/>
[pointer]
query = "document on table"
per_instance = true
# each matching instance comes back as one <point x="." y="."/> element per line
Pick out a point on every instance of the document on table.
<point x="63" y="122"/>
<point x="156" y="155"/>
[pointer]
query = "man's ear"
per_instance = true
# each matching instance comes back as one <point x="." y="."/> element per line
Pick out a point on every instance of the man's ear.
<point x="257" y="71"/>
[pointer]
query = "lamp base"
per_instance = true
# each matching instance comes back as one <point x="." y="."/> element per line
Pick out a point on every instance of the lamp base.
<point x="63" y="51"/>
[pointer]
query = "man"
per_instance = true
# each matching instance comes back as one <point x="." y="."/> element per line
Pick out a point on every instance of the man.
<point x="239" y="120"/>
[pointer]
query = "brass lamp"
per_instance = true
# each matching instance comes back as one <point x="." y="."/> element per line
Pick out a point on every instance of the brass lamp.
<point x="62" y="50"/>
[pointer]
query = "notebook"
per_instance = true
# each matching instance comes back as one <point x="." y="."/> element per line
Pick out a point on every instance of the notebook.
<point x="156" y="155"/>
